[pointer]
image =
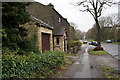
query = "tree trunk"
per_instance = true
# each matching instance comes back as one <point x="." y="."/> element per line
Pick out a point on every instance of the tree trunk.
<point x="98" y="33"/>
<point x="115" y="34"/>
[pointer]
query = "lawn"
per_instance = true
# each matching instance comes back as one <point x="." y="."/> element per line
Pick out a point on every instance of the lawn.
<point x="97" y="52"/>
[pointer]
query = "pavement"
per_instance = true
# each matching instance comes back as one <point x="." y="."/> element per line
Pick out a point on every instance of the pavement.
<point x="84" y="67"/>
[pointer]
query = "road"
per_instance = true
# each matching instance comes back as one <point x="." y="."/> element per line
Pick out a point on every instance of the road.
<point x="113" y="49"/>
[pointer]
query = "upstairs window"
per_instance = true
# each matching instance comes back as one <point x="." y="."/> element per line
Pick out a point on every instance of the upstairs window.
<point x="59" y="20"/>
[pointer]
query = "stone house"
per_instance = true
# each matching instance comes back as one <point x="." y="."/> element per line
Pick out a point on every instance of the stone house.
<point x="61" y="31"/>
<point x="45" y="35"/>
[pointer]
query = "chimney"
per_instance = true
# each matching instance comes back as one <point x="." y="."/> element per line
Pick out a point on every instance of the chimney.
<point x="50" y="5"/>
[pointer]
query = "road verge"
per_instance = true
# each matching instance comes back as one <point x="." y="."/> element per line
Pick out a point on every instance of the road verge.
<point x="107" y="64"/>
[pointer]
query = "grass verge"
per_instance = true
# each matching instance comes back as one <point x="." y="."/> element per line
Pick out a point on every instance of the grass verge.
<point x="115" y="42"/>
<point x="109" y="72"/>
<point x="112" y="43"/>
<point x="100" y="53"/>
<point x="90" y="40"/>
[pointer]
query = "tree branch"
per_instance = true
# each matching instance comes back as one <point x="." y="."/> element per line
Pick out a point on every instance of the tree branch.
<point x="91" y="13"/>
<point x="96" y="4"/>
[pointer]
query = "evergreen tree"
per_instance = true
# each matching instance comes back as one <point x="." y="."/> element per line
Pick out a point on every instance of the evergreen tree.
<point x="14" y="14"/>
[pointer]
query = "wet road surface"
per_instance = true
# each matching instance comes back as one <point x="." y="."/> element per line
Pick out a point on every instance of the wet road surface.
<point x="113" y="49"/>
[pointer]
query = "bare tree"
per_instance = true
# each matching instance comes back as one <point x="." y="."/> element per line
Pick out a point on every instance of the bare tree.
<point x="114" y="23"/>
<point x="73" y="24"/>
<point x="105" y="27"/>
<point x="105" y="22"/>
<point x="91" y="33"/>
<point x="95" y="8"/>
<point x="110" y="23"/>
<point x="78" y="34"/>
<point x="115" y="19"/>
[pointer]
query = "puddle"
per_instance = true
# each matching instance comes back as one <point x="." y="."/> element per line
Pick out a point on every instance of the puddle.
<point x="76" y="63"/>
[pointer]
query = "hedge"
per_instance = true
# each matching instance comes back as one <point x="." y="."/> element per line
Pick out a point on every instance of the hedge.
<point x="76" y="45"/>
<point x="30" y="66"/>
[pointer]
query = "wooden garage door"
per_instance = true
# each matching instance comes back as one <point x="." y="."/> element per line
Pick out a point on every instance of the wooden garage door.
<point x="45" y="42"/>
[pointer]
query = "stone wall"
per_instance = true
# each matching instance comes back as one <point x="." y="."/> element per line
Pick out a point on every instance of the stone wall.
<point x="59" y="47"/>
<point x="33" y="29"/>
<point x="44" y="30"/>
<point x="62" y="43"/>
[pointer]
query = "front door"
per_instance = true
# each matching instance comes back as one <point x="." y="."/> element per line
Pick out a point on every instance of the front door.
<point x="45" y="42"/>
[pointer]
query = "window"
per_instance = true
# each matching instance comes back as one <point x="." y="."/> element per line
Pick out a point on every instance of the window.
<point x="59" y="20"/>
<point x="57" y="40"/>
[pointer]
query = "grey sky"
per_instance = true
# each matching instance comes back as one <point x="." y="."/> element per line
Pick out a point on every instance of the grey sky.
<point x="83" y="20"/>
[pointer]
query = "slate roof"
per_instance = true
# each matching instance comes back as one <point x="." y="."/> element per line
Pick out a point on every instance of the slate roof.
<point x="59" y="31"/>
<point x="41" y="23"/>
<point x="48" y="15"/>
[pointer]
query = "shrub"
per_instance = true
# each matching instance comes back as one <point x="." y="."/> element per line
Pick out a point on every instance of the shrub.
<point x="31" y="65"/>
<point x="76" y="45"/>
<point x="98" y="48"/>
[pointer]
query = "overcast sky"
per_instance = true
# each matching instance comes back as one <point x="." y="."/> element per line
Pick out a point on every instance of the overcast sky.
<point x="83" y="20"/>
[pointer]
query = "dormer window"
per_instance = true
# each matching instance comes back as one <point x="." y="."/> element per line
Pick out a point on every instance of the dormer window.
<point x="59" y="20"/>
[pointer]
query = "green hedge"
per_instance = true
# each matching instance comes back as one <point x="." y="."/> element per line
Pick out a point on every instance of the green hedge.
<point x="76" y="45"/>
<point x="32" y="65"/>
